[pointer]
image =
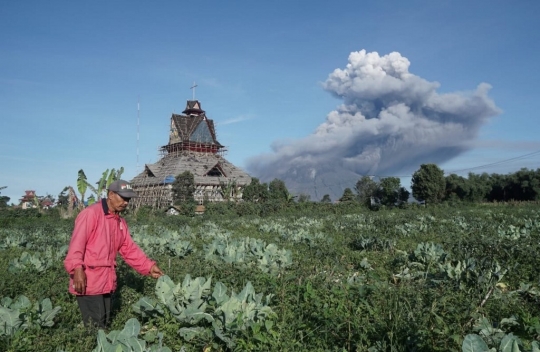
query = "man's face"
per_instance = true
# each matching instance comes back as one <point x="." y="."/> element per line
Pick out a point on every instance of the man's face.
<point x="117" y="203"/>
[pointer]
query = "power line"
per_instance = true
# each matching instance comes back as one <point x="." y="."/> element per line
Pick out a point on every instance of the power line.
<point x="497" y="162"/>
<point x="345" y="183"/>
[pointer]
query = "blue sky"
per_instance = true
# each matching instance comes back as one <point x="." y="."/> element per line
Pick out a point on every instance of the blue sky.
<point x="71" y="75"/>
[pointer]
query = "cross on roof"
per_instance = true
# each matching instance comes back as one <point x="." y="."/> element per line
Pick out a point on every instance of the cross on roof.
<point x="193" y="87"/>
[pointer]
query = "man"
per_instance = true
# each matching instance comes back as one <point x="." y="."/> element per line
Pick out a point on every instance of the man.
<point x="99" y="234"/>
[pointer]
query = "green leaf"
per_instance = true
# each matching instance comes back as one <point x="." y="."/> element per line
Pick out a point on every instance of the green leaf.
<point x="147" y="306"/>
<point x="111" y="178"/>
<point x="509" y="343"/>
<point x="119" y="172"/>
<point x="82" y="184"/>
<point x="21" y="302"/>
<point x="515" y="347"/>
<point x="10" y="321"/>
<point x="248" y="291"/>
<point x="268" y="324"/>
<point x="474" y="343"/>
<point x="47" y="316"/>
<point x="136" y="344"/>
<point x="220" y="293"/>
<point x="164" y="289"/>
<point x="102" y="183"/>
<point x="535" y="346"/>
<point x="132" y="328"/>
<point x="6" y="302"/>
<point x="46" y="304"/>
<point x="189" y="334"/>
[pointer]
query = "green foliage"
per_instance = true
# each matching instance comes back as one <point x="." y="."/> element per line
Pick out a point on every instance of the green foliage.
<point x="326" y="199"/>
<point x="3" y="199"/>
<point x="365" y="189"/>
<point x="203" y="313"/>
<point x="39" y="261"/>
<point x="348" y="196"/>
<point x="168" y="242"/>
<point x="127" y="340"/>
<point x="103" y="184"/>
<point x="229" y="191"/>
<point x="489" y="335"/>
<point x="255" y="191"/>
<point x="428" y="184"/>
<point x="372" y="244"/>
<point x="20" y="314"/>
<point x="411" y="279"/>
<point x="268" y="258"/>
<point x="278" y="191"/>
<point x="523" y="185"/>
<point x="388" y="191"/>
<point x="183" y="189"/>
<point x="303" y="198"/>
<point x="82" y="184"/>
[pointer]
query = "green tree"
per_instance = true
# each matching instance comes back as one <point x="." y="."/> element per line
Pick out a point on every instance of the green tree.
<point x="403" y="195"/>
<point x="63" y="198"/>
<point x="479" y="187"/>
<point x="4" y="199"/>
<point x="365" y="189"/>
<point x="457" y="187"/>
<point x="348" y="196"/>
<point x="527" y="184"/>
<point x="326" y="199"/>
<point x="278" y="191"/>
<point x="428" y="183"/>
<point x="255" y="192"/>
<point x="183" y="189"/>
<point x="304" y="198"/>
<point x="500" y="188"/>
<point x="388" y="191"/>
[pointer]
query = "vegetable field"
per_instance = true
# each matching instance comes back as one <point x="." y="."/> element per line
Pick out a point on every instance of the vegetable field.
<point x="420" y="279"/>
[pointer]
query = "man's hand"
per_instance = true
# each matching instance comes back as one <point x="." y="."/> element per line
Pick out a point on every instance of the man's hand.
<point x="155" y="271"/>
<point x="79" y="281"/>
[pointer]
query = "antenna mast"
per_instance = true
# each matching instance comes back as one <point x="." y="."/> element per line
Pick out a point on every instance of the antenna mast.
<point x="138" y="113"/>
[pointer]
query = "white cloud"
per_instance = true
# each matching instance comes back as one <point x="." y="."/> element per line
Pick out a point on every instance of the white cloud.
<point x="234" y="120"/>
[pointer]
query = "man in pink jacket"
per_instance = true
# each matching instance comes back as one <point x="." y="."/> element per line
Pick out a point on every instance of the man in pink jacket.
<point x="99" y="234"/>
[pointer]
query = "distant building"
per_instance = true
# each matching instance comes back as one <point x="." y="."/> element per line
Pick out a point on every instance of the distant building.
<point x="28" y="201"/>
<point x="46" y="203"/>
<point x="192" y="147"/>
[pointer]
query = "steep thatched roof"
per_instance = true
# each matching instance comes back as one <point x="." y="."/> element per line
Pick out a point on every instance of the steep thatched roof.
<point x="207" y="169"/>
<point x="193" y="128"/>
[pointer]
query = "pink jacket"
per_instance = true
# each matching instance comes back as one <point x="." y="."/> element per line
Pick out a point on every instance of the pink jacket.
<point x="97" y="237"/>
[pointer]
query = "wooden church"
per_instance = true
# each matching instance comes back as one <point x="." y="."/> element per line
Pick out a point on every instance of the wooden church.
<point x="192" y="147"/>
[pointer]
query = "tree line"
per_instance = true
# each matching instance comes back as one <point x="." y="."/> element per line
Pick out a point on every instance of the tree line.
<point x="429" y="185"/>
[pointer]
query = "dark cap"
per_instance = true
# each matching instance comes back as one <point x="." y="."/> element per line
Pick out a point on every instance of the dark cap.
<point x="123" y="188"/>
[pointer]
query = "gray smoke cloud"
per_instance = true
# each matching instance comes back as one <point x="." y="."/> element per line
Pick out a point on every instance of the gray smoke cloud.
<point x="390" y="121"/>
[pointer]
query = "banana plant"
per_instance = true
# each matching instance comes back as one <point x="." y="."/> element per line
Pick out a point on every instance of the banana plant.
<point x="82" y="185"/>
<point x="104" y="182"/>
<point x="229" y="190"/>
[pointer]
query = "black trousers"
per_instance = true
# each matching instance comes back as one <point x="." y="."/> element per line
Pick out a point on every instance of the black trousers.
<point x="95" y="309"/>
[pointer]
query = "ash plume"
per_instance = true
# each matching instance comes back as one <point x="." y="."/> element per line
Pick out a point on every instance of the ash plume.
<point x="390" y="121"/>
